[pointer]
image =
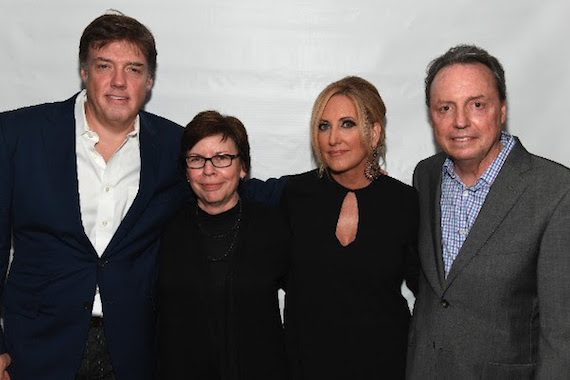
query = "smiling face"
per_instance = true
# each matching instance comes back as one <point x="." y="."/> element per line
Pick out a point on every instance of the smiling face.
<point x="215" y="188"/>
<point x="467" y="116"/>
<point x="340" y="142"/>
<point x="117" y="80"/>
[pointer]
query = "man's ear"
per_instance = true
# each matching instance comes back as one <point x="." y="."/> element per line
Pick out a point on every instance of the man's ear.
<point x="149" y="84"/>
<point x="504" y="112"/>
<point x="83" y="75"/>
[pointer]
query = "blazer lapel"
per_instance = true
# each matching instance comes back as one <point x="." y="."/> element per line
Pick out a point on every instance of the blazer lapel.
<point x="150" y="157"/>
<point x="504" y="193"/>
<point x="435" y="217"/>
<point x="59" y="147"/>
<point x="429" y="182"/>
<point x="436" y="226"/>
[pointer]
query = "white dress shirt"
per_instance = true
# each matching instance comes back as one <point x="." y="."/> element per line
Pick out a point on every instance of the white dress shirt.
<point x="106" y="189"/>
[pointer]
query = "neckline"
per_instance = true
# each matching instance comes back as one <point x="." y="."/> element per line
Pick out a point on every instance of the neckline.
<point x="345" y="189"/>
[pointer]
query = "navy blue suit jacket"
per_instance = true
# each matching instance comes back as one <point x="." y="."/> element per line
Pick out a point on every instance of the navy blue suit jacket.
<point x="49" y="290"/>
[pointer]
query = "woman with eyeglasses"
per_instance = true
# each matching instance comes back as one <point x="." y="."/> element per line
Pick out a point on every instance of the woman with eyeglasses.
<point x="222" y="263"/>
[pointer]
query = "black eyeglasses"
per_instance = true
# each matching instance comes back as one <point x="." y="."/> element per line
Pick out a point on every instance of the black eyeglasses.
<point x="195" y="161"/>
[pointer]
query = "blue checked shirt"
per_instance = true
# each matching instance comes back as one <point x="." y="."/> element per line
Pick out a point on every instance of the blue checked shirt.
<point x="460" y="205"/>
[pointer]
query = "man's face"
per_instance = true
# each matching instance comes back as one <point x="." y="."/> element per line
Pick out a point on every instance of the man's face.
<point x="117" y="80"/>
<point x="467" y="115"/>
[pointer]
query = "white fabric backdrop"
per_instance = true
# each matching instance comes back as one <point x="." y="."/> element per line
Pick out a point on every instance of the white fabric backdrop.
<point x="266" y="61"/>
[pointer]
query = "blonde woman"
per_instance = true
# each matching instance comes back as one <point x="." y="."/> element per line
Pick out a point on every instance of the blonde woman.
<point x="354" y="242"/>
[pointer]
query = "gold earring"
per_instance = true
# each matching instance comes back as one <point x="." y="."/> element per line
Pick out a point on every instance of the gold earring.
<point x="372" y="170"/>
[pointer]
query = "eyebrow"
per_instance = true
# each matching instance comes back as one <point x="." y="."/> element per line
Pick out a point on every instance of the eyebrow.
<point x="138" y="64"/>
<point x="469" y="99"/>
<point x="341" y="119"/>
<point x="477" y="97"/>
<point x="217" y="153"/>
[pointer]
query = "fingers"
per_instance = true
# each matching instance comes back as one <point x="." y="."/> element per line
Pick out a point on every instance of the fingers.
<point x="5" y="361"/>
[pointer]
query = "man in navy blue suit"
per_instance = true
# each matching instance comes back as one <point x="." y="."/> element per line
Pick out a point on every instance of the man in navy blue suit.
<point x="85" y="188"/>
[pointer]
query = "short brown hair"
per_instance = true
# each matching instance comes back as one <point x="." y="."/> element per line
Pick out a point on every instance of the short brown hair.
<point x="464" y="55"/>
<point x="211" y="123"/>
<point x="370" y="109"/>
<point x="112" y="27"/>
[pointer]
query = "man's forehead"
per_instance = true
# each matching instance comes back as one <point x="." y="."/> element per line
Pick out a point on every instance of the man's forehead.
<point x="462" y="71"/>
<point x="463" y="76"/>
<point x="117" y="48"/>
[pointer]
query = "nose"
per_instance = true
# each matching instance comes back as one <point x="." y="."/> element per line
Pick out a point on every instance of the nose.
<point x="208" y="168"/>
<point x="118" y="80"/>
<point x="461" y="119"/>
<point x="333" y="136"/>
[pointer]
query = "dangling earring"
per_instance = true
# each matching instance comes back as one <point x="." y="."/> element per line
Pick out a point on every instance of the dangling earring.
<point x="372" y="170"/>
<point x="321" y="170"/>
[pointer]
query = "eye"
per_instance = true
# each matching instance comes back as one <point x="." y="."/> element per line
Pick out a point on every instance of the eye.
<point x="324" y="126"/>
<point x="102" y="66"/>
<point x="478" y="105"/>
<point x="444" y="108"/>
<point x="348" y="123"/>
<point x="221" y="158"/>
<point x="194" y="159"/>
<point x="134" y="69"/>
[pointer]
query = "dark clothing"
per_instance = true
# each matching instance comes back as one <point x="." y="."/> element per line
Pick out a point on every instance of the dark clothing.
<point x="216" y="323"/>
<point x="47" y="295"/>
<point x="266" y="192"/>
<point x="96" y="363"/>
<point x="218" y="235"/>
<point x="345" y="315"/>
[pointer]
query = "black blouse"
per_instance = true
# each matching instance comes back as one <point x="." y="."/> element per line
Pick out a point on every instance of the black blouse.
<point x="219" y="314"/>
<point x="345" y="316"/>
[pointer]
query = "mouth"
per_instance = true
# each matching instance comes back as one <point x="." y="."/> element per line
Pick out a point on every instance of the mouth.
<point x="116" y="97"/>
<point x="461" y="139"/>
<point x="210" y="186"/>
<point x="336" y="153"/>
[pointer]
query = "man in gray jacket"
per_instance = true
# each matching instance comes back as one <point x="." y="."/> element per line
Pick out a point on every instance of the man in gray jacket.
<point x="494" y="239"/>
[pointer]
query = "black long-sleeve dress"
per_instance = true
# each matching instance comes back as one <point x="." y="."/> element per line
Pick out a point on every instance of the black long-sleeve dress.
<point x="345" y="315"/>
<point x="219" y="315"/>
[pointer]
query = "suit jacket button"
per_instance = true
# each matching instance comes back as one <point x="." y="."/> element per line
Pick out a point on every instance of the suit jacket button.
<point x="443" y="303"/>
<point x="101" y="263"/>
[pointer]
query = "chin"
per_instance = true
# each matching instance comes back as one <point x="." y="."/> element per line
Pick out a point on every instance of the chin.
<point x="337" y="167"/>
<point x="336" y="171"/>
<point x="212" y="200"/>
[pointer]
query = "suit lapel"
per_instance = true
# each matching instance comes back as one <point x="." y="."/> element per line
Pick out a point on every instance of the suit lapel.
<point x="59" y="147"/>
<point x="435" y="224"/>
<point x="504" y="193"/>
<point x="150" y="157"/>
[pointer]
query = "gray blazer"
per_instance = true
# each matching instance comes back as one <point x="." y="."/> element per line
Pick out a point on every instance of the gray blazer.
<point x="504" y="310"/>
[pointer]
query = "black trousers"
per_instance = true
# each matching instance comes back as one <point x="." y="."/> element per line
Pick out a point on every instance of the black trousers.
<point x="96" y="362"/>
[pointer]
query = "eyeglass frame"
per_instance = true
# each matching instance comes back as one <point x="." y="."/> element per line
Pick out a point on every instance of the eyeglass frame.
<point x="206" y="159"/>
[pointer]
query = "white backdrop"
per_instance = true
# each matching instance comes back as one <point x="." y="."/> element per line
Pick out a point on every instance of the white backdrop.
<point x="266" y="61"/>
